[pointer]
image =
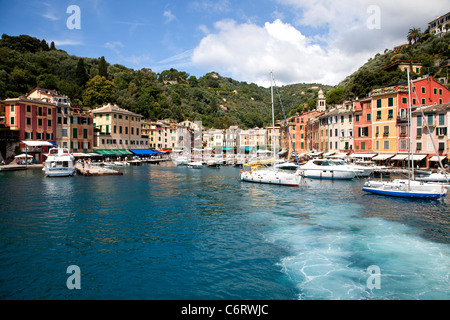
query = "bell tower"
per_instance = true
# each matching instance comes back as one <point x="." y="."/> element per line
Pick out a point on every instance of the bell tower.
<point x="321" y="102"/>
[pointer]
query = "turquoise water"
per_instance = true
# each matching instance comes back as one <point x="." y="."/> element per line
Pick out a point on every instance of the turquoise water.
<point x="166" y="232"/>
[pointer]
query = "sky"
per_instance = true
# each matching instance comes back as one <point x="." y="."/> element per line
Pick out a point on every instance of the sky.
<point x="300" y="41"/>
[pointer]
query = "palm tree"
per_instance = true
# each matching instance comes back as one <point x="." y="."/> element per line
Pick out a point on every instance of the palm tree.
<point x="413" y="35"/>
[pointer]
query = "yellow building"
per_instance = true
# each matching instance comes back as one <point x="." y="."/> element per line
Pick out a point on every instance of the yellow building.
<point x="117" y="129"/>
<point x="384" y="120"/>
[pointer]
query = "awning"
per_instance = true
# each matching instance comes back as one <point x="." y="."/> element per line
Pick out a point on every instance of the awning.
<point x="106" y="152"/>
<point x="123" y="152"/>
<point x="383" y="157"/>
<point x="143" y="152"/>
<point x="419" y="157"/>
<point x="400" y="157"/>
<point x="39" y="143"/>
<point x="80" y="154"/>
<point x="363" y="155"/>
<point x="437" y="158"/>
<point x="23" y="155"/>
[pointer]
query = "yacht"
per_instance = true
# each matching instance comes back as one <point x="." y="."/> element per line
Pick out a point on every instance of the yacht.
<point x="60" y="163"/>
<point x="326" y="169"/>
<point x="360" y="171"/>
<point x="180" y="160"/>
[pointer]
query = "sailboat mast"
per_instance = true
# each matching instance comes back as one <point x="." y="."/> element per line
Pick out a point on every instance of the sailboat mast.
<point x="409" y="127"/>
<point x="273" y="118"/>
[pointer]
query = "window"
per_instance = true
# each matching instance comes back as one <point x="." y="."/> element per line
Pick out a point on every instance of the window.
<point x="442" y="119"/>
<point x="40" y="122"/>
<point x="85" y="133"/>
<point x="350" y="118"/>
<point x="28" y="108"/>
<point x="390" y="113"/>
<point x="377" y="144"/>
<point x="405" y="100"/>
<point x="430" y="119"/>
<point x="378" y="115"/>
<point x="12" y="108"/>
<point x="64" y="132"/>
<point x="342" y="119"/>
<point x="403" y="144"/>
<point x="423" y="90"/>
<point x="11" y="120"/>
<point x="419" y="132"/>
<point x="390" y="102"/>
<point x="423" y="101"/>
<point x="369" y="117"/>
<point x="379" y="103"/>
<point x="419" y="146"/>
<point x="441" y="131"/>
<point x="49" y="123"/>
<point x="386" y="130"/>
<point x="386" y="144"/>
<point x="28" y="121"/>
<point x="441" y="146"/>
<point x="357" y="118"/>
<point x="75" y="133"/>
<point x="419" y="120"/>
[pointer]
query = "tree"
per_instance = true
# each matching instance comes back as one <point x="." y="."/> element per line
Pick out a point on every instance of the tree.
<point x="99" y="91"/>
<point x="81" y="74"/>
<point x="103" y="68"/>
<point x="52" y="46"/>
<point x="413" y="35"/>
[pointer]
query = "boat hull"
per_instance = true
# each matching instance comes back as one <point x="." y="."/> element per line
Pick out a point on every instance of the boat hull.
<point x="272" y="177"/>
<point x="406" y="189"/>
<point x="404" y="194"/>
<point x="328" y="174"/>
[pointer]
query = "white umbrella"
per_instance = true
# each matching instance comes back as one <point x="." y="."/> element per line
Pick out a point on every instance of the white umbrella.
<point x="23" y="155"/>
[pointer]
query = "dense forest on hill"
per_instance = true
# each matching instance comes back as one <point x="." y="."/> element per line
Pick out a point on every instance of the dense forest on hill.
<point x="27" y="62"/>
<point x="433" y="52"/>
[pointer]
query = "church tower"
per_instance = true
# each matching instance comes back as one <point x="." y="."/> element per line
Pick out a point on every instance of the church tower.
<point x="321" y="102"/>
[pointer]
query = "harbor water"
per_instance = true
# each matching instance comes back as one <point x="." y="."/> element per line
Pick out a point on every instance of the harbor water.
<point x="167" y="232"/>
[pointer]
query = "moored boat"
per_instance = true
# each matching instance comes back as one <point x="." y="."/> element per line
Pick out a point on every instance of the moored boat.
<point x="60" y="163"/>
<point x="326" y="169"/>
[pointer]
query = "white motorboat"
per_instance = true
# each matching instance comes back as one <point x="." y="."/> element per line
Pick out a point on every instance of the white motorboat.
<point x="180" y="161"/>
<point x="360" y="171"/>
<point x="60" y="163"/>
<point x="195" y="164"/>
<point x="267" y="175"/>
<point x="326" y="169"/>
<point x="434" y="177"/>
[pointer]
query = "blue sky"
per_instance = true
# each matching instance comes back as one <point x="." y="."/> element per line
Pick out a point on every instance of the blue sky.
<point x="299" y="40"/>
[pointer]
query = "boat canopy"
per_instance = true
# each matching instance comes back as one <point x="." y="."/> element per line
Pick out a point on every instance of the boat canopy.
<point x="144" y="152"/>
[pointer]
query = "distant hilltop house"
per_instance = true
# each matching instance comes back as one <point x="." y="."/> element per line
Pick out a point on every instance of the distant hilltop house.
<point x="413" y="66"/>
<point x="440" y="25"/>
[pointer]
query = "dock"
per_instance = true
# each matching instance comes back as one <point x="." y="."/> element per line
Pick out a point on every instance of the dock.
<point x="93" y="170"/>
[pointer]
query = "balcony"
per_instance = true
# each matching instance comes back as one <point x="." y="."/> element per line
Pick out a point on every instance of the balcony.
<point x="402" y="119"/>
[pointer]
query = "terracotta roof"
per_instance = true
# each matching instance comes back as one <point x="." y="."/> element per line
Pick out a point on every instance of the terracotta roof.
<point x="115" y="109"/>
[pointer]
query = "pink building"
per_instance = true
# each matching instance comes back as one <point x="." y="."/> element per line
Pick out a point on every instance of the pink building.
<point x="430" y="134"/>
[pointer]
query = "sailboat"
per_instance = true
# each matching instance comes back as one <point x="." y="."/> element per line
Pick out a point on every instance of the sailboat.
<point x="407" y="188"/>
<point x="261" y="173"/>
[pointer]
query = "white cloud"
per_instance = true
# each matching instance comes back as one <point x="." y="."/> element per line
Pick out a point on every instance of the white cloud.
<point x="169" y="16"/>
<point x="325" y="42"/>
<point x="114" y="46"/>
<point x="250" y="52"/>
<point x="66" y="42"/>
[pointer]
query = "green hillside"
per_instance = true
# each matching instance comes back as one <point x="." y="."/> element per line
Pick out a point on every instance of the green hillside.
<point x="27" y="62"/>
<point x="219" y="102"/>
<point x="433" y="52"/>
